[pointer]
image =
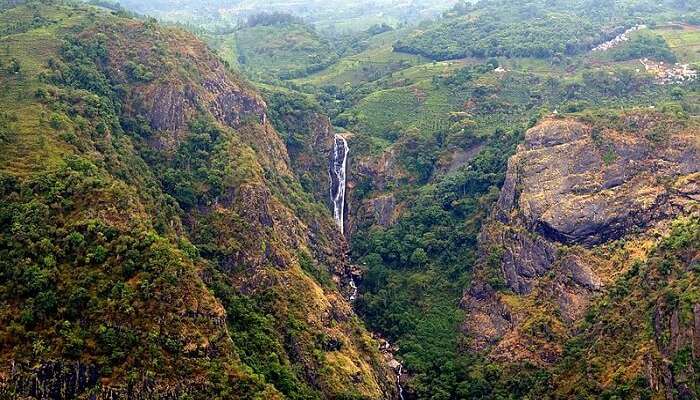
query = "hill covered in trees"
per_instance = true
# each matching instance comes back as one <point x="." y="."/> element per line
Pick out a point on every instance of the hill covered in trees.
<point x="540" y="29"/>
<point x="154" y="238"/>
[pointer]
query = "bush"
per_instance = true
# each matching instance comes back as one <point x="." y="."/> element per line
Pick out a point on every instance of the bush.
<point x="14" y="66"/>
<point x="57" y="121"/>
<point x="138" y="72"/>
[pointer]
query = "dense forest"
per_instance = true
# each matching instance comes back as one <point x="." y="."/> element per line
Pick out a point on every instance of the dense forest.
<point x="519" y="213"/>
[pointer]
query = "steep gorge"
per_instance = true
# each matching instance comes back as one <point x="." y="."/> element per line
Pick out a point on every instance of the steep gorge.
<point x="171" y="230"/>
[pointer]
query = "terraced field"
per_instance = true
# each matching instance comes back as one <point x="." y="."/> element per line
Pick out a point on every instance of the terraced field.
<point x="422" y="106"/>
<point x="279" y="51"/>
<point x="684" y="40"/>
<point x="376" y="61"/>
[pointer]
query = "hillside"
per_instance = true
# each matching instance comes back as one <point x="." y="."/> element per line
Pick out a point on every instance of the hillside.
<point x="581" y="216"/>
<point x="287" y="50"/>
<point x="541" y="29"/>
<point x="338" y="15"/>
<point x="155" y="241"/>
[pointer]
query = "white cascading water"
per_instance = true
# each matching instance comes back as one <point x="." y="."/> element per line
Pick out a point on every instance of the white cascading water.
<point x="398" y="381"/>
<point x="337" y="172"/>
<point x="353" y="286"/>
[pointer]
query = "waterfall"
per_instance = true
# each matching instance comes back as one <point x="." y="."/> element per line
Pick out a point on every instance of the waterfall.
<point x="337" y="173"/>
<point x="388" y="351"/>
<point x="353" y="286"/>
<point x="398" y="381"/>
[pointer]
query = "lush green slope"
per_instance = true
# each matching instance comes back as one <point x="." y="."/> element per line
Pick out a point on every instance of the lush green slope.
<point x="683" y="40"/>
<point x="531" y="29"/>
<point x="375" y="61"/>
<point x="154" y="238"/>
<point x="284" y="50"/>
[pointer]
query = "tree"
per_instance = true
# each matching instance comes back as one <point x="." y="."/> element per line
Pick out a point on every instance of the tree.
<point x="677" y="93"/>
<point x="15" y="66"/>
<point x="419" y="257"/>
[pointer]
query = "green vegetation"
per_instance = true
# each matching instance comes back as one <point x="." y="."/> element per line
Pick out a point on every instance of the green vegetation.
<point x="375" y="60"/>
<point x="644" y="45"/>
<point x="632" y="321"/>
<point x="540" y="29"/>
<point x="491" y="37"/>
<point x="279" y="46"/>
<point x="684" y="41"/>
<point x="144" y="233"/>
<point x="417" y="269"/>
<point x="337" y="16"/>
<point x="123" y="253"/>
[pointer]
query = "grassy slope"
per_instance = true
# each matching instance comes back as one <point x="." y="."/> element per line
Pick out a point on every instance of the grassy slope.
<point x="684" y="40"/>
<point x="31" y="48"/>
<point x="376" y="61"/>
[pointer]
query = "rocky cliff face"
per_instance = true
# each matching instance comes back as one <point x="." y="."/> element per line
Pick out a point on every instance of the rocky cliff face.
<point x="581" y="202"/>
<point x="575" y="184"/>
<point x="378" y="175"/>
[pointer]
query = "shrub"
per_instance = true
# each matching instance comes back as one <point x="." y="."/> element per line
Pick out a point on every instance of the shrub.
<point x="14" y="66"/>
<point x="138" y="72"/>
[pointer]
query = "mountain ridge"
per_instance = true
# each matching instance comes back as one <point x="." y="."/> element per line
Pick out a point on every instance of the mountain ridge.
<point x="193" y="268"/>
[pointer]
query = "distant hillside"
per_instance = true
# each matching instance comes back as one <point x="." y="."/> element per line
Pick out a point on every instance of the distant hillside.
<point x="542" y="29"/>
<point x="287" y="50"/>
<point x="341" y="15"/>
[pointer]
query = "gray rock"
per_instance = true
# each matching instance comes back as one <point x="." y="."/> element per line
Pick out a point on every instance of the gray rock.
<point x="581" y="273"/>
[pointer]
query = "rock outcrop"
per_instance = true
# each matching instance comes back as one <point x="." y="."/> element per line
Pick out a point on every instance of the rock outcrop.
<point x="376" y="175"/>
<point x="571" y="190"/>
<point x="574" y="185"/>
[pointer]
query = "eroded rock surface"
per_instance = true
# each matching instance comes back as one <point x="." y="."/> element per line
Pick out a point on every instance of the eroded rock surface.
<point x="576" y="185"/>
<point x="571" y="189"/>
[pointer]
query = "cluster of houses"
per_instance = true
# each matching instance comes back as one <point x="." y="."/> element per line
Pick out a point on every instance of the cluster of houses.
<point x="669" y="73"/>
<point x="621" y="38"/>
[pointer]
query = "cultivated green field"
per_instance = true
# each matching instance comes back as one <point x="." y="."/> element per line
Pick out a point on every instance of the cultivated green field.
<point x="684" y="40"/>
<point x="376" y="61"/>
